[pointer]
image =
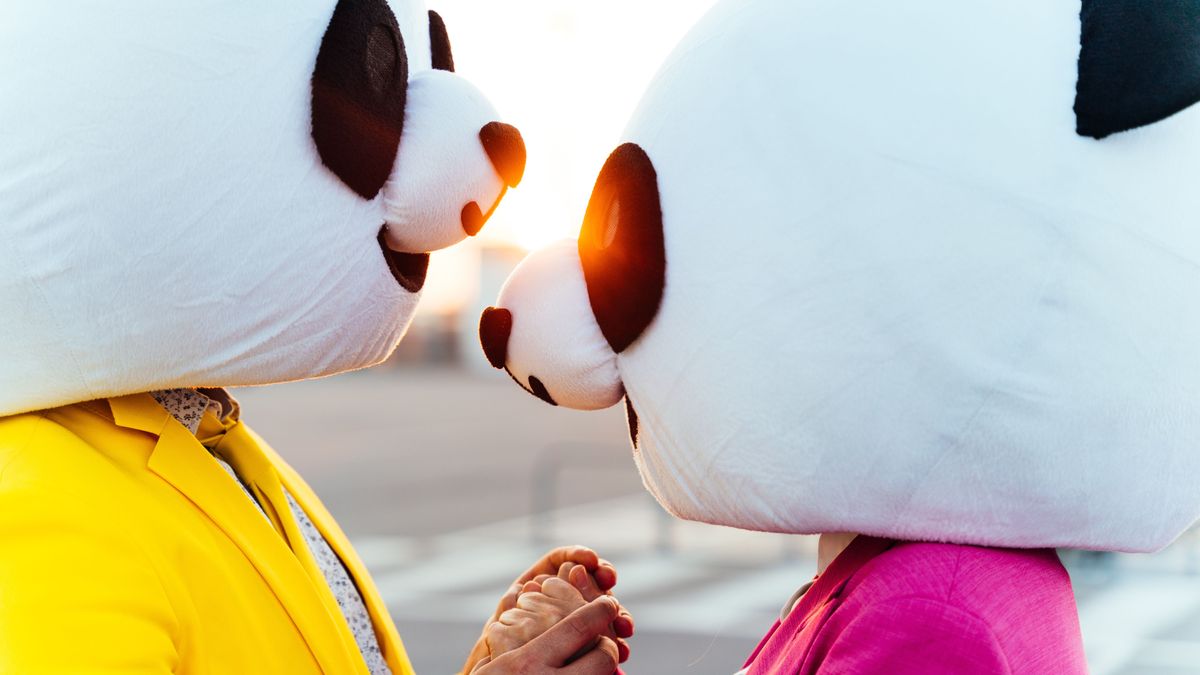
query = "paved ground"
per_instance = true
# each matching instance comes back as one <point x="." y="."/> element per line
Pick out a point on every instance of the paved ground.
<point x="450" y="483"/>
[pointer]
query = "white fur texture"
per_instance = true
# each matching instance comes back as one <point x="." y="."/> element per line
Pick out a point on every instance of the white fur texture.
<point x="554" y="335"/>
<point x="903" y="297"/>
<point x="165" y="219"/>
<point x="442" y="119"/>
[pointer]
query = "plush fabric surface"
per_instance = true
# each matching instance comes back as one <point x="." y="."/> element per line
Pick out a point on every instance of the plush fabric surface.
<point x="903" y="296"/>
<point x="907" y="608"/>
<point x="159" y="173"/>
<point x="553" y="335"/>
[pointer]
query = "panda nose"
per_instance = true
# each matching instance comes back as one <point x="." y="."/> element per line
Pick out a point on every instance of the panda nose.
<point x="506" y="150"/>
<point x="495" y="326"/>
<point x="505" y="147"/>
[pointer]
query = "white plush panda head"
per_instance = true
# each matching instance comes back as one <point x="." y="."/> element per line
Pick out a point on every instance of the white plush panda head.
<point x="208" y="193"/>
<point x="926" y="270"/>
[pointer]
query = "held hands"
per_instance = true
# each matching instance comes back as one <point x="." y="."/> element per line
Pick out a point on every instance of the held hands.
<point x="540" y="606"/>
<point x="551" y="652"/>
<point x="558" y="617"/>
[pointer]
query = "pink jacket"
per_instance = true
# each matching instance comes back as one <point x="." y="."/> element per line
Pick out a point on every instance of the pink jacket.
<point x="906" y="608"/>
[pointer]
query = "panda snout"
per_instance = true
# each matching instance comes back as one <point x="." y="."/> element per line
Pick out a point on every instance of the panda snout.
<point x="543" y="334"/>
<point x="495" y="329"/>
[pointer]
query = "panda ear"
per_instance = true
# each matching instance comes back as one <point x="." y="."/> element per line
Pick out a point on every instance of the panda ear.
<point x="1139" y="63"/>
<point x="359" y="87"/>
<point x="439" y="43"/>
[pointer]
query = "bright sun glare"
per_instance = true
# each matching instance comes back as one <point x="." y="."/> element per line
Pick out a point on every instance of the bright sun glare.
<point x="568" y="74"/>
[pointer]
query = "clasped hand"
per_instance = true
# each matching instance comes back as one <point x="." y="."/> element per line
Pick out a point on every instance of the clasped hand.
<point x="558" y="617"/>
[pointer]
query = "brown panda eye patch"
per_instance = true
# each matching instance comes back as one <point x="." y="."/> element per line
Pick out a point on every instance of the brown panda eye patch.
<point x="359" y="87"/>
<point x="621" y="246"/>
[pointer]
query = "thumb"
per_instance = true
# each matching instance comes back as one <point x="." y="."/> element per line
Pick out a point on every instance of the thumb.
<point x="579" y="630"/>
<point x="602" y="659"/>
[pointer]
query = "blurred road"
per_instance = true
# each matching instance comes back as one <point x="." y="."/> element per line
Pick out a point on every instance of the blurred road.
<point x="450" y="483"/>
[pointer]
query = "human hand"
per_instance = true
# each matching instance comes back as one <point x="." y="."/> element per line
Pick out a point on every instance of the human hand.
<point x="600" y="576"/>
<point x="535" y="613"/>
<point x="601" y="572"/>
<point x="574" y="646"/>
<point x="579" y="579"/>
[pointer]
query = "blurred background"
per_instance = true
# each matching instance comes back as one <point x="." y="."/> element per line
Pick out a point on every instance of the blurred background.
<point x="451" y="481"/>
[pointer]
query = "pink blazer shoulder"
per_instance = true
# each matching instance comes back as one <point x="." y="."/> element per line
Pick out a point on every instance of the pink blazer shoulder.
<point x="901" y="607"/>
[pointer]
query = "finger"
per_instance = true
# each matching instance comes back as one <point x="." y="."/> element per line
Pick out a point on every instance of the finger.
<point x="532" y="587"/>
<point x="527" y="601"/>
<point x="540" y="603"/>
<point x="549" y="564"/>
<point x="605" y="574"/>
<point x="500" y="640"/>
<point x="561" y="590"/>
<point x="515" y="616"/>
<point x="580" y="555"/>
<point x="623" y="625"/>
<point x="575" y="632"/>
<point x="583" y="581"/>
<point x="481" y="663"/>
<point x="564" y="570"/>
<point x="602" y="660"/>
<point x="579" y="577"/>
<point x="622" y="651"/>
<point x="480" y="650"/>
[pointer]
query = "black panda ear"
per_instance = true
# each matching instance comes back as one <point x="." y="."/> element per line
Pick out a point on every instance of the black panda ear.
<point x="439" y="43"/>
<point x="1139" y="63"/>
<point x="359" y="88"/>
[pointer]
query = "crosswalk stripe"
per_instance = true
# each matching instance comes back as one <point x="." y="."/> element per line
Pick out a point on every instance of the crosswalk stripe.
<point x="490" y="564"/>
<point x="749" y="603"/>
<point x="1174" y="654"/>
<point x="1116" y="622"/>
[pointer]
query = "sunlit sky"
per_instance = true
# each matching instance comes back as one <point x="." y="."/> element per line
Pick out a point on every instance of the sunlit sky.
<point x="568" y="74"/>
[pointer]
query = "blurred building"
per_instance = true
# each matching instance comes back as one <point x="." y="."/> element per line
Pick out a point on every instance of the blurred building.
<point x="445" y="329"/>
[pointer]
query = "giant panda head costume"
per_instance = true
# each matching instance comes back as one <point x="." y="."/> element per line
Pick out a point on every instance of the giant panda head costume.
<point x="208" y="194"/>
<point x="925" y="270"/>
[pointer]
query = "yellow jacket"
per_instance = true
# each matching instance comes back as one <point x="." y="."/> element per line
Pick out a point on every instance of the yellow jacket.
<point x="124" y="548"/>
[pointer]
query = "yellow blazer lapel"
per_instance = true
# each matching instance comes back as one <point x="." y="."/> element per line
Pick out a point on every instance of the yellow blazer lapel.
<point x="244" y="451"/>
<point x="389" y="641"/>
<point x="184" y="463"/>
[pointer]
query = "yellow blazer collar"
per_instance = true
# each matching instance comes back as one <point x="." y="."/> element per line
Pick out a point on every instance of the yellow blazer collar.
<point x="140" y="412"/>
<point x="179" y="459"/>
